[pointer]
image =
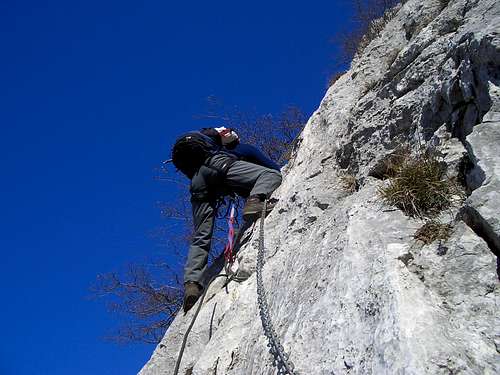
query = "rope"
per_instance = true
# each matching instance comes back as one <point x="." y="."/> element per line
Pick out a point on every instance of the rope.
<point x="280" y="357"/>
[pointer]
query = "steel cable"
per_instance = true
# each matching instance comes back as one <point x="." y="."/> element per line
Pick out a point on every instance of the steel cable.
<point x="280" y="357"/>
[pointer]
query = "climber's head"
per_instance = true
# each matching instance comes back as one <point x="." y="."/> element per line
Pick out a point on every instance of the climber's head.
<point x="229" y="137"/>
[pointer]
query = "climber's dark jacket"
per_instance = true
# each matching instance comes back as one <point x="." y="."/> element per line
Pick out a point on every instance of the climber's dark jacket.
<point x="252" y="154"/>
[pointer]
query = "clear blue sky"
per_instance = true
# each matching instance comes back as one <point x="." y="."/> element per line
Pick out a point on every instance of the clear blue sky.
<point x="91" y="95"/>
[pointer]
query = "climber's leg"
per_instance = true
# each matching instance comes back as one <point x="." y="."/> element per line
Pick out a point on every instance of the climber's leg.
<point x="258" y="181"/>
<point x="196" y="264"/>
<point x="253" y="178"/>
<point x="203" y="207"/>
<point x="203" y="220"/>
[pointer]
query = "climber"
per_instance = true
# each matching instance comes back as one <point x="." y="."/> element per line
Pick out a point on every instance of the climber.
<point x="218" y="165"/>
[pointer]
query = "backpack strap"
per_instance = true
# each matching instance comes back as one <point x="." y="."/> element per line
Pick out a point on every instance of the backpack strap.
<point x="213" y="134"/>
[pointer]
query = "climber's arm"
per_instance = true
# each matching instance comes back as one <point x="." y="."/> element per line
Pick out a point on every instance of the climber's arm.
<point x="254" y="155"/>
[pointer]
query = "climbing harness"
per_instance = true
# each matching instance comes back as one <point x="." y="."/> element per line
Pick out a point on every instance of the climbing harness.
<point x="280" y="360"/>
<point x="280" y="357"/>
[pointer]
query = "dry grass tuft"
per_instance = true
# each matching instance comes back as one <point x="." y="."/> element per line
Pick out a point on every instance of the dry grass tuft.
<point x="349" y="183"/>
<point x="418" y="186"/>
<point x="432" y="231"/>
<point x="392" y="163"/>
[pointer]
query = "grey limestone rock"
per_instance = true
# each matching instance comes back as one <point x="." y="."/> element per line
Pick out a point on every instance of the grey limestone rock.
<point x="350" y="291"/>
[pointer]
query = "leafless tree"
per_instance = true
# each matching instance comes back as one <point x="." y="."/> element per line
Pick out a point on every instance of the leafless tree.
<point x="149" y="304"/>
<point x="275" y="135"/>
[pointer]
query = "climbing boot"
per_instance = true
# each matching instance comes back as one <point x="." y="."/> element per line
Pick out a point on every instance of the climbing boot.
<point x="192" y="291"/>
<point x="253" y="208"/>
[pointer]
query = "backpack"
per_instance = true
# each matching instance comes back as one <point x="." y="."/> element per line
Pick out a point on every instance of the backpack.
<point x="191" y="150"/>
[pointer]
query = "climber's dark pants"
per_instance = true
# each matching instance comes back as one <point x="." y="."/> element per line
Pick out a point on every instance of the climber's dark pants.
<point x="242" y="178"/>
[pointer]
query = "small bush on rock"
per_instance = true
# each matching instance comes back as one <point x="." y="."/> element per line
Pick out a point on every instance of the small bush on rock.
<point x="419" y="187"/>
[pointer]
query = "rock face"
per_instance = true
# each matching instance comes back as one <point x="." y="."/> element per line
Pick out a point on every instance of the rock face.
<point x="350" y="291"/>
